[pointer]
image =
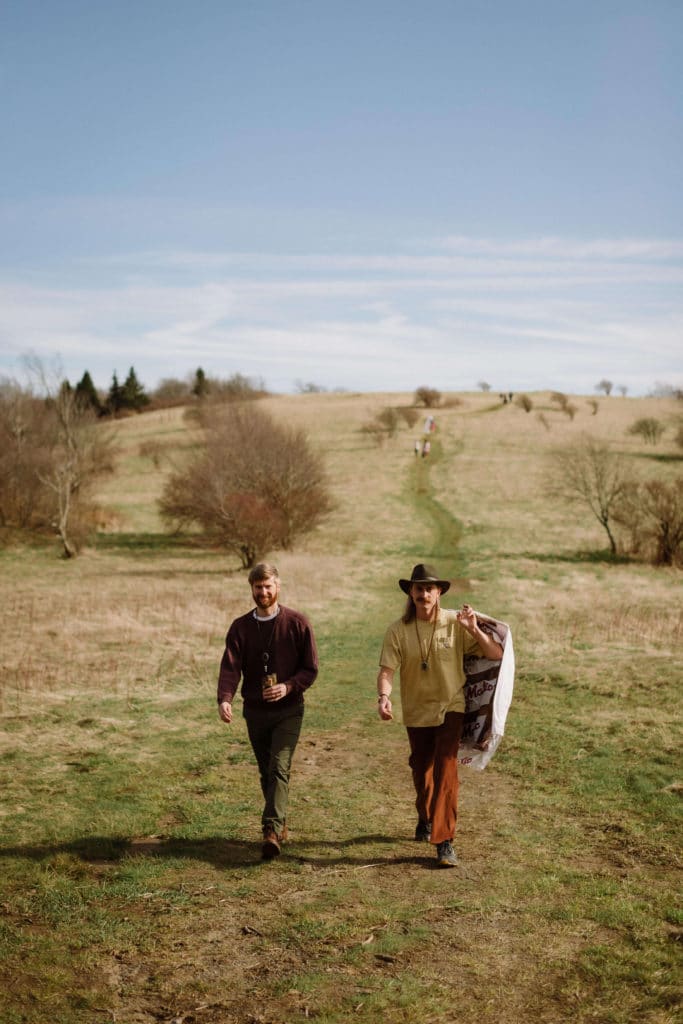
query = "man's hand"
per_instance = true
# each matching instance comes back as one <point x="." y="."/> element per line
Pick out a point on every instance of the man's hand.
<point x="385" y="680"/>
<point x="384" y="709"/>
<point x="225" y="711"/>
<point x="490" y="648"/>
<point x="467" y="618"/>
<point x="277" y="692"/>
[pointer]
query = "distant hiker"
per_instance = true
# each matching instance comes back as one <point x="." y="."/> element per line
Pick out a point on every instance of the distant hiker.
<point x="427" y="646"/>
<point x="417" y="447"/>
<point x="426" y="448"/>
<point x="429" y="424"/>
<point x="273" y="649"/>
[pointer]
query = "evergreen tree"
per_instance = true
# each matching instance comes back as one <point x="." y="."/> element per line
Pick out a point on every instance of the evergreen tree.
<point x="201" y="384"/>
<point x="134" y="396"/>
<point x="115" y="396"/>
<point x="86" y="394"/>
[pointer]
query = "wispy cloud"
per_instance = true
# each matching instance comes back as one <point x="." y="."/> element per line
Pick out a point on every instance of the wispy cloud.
<point x="453" y="310"/>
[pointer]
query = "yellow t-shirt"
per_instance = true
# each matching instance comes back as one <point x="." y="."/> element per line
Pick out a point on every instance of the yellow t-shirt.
<point x="427" y="694"/>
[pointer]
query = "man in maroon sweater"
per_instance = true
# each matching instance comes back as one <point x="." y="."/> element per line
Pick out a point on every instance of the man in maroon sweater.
<point x="273" y="649"/>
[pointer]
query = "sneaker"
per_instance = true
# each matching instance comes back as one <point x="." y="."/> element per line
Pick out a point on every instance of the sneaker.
<point x="445" y="854"/>
<point x="423" y="831"/>
<point x="271" y="844"/>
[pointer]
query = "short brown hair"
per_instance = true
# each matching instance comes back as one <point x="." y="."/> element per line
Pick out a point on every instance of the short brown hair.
<point x="263" y="571"/>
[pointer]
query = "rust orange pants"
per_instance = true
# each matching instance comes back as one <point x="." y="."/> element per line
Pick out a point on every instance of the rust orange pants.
<point x="434" y="764"/>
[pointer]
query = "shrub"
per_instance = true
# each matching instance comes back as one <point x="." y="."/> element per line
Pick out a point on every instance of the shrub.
<point x="652" y="512"/>
<point x="649" y="428"/>
<point x="375" y="431"/>
<point x="170" y="392"/>
<point x="559" y="399"/>
<point x="524" y="402"/>
<point x="429" y="397"/>
<point x="389" y="419"/>
<point x="451" y="402"/>
<point x="213" y="391"/>
<point x="408" y="415"/>
<point x="236" y="388"/>
<point x="252" y="486"/>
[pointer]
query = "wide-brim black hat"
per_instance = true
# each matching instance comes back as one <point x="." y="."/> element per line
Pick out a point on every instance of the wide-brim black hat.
<point x="424" y="574"/>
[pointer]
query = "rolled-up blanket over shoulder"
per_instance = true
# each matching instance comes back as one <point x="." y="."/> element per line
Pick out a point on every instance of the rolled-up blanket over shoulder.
<point x="488" y="695"/>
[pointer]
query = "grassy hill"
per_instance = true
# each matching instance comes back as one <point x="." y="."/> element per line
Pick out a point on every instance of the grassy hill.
<point x="131" y="885"/>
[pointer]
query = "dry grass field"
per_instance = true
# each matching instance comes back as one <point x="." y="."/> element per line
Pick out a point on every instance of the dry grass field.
<point x="131" y="887"/>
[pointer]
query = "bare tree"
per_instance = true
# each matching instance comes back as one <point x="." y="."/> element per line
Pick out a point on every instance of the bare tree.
<point x="591" y="473"/>
<point x="56" y="451"/>
<point x="78" y="452"/>
<point x="253" y="485"/>
<point x="23" y="502"/>
<point x="604" y="385"/>
<point x="484" y="385"/>
<point x="653" y="513"/>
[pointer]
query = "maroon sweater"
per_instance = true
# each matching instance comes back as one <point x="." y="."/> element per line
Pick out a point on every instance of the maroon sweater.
<point x="290" y="643"/>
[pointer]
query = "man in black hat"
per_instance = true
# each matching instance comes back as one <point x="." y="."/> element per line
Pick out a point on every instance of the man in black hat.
<point x="427" y="645"/>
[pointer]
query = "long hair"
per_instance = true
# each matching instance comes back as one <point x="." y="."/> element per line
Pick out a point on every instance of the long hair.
<point x="410" y="611"/>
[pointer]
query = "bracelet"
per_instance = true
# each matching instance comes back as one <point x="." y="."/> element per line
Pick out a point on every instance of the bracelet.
<point x="382" y="696"/>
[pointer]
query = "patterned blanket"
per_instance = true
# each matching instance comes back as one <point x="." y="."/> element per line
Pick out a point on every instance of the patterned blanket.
<point x="488" y="694"/>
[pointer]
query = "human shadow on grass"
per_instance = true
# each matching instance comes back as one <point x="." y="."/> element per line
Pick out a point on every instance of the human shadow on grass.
<point x="218" y="850"/>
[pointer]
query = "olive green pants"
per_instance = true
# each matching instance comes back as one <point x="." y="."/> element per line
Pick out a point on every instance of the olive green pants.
<point x="273" y="735"/>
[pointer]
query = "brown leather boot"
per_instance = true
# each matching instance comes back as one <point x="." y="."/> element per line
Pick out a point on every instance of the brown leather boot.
<point x="271" y="844"/>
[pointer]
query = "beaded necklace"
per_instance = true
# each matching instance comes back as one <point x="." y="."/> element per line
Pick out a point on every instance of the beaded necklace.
<point x="424" y="664"/>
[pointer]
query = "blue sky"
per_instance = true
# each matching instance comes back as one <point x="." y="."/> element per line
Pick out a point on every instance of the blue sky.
<point x="368" y="196"/>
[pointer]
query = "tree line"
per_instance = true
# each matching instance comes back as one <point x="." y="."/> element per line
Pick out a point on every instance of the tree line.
<point x="131" y="395"/>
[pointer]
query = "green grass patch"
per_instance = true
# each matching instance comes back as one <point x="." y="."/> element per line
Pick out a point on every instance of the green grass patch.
<point x="131" y="885"/>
